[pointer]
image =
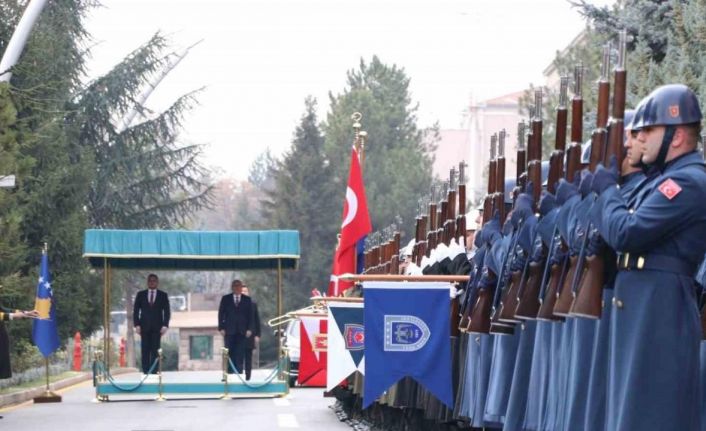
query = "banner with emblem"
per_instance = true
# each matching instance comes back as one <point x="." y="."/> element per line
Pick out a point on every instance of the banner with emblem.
<point x="346" y="342"/>
<point x="407" y="334"/>
<point x="44" y="329"/>
<point x="313" y="351"/>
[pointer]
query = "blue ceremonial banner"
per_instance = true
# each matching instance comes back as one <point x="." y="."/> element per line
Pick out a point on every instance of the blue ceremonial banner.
<point x="407" y="334"/>
<point x="44" y="330"/>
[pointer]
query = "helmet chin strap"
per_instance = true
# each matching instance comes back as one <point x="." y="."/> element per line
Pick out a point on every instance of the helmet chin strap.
<point x="662" y="155"/>
<point x="666" y="142"/>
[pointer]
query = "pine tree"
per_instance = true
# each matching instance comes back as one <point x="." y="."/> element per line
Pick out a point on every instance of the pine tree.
<point x="301" y="199"/>
<point x="398" y="161"/>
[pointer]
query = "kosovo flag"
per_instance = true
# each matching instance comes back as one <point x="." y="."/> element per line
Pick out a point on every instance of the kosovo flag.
<point x="44" y="331"/>
<point x="407" y="332"/>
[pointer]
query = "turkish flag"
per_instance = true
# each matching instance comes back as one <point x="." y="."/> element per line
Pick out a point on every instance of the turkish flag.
<point x="356" y="225"/>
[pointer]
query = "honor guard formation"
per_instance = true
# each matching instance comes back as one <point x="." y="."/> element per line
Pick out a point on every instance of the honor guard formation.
<point x="582" y="305"/>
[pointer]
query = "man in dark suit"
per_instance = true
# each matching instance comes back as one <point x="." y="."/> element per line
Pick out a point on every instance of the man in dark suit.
<point x="254" y="341"/>
<point x="236" y="324"/>
<point x="150" y="316"/>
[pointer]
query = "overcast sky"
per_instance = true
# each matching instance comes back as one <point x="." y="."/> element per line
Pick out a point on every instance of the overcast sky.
<point x="259" y="59"/>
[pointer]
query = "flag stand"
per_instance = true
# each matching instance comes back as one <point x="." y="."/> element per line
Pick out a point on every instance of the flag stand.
<point x="48" y="396"/>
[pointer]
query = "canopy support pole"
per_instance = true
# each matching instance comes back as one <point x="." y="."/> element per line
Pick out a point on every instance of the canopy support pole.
<point x="279" y="313"/>
<point x="106" y="312"/>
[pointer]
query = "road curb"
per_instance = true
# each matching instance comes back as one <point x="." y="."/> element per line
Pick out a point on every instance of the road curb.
<point x="13" y="398"/>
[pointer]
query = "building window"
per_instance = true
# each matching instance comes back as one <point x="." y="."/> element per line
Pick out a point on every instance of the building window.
<point x="201" y="347"/>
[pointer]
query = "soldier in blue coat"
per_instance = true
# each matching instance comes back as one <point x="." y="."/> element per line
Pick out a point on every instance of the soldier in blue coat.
<point x="655" y="329"/>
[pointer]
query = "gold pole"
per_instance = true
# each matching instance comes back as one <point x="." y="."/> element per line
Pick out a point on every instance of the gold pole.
<point x="108" y="351"/>
<point x="336" y="299"/>
<point x="279" y="313"/>
<point x="159" y="375"/>
<point x="396" y="277"/>
<point x="224" y="362"/>
<point x="46" y="368"/>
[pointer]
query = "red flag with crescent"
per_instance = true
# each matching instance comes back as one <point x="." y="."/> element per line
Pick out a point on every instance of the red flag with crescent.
<point x="356" y="224"/>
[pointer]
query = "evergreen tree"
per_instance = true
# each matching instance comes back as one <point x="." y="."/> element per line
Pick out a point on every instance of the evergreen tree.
<point x="398" y="160"/>
<point x="301" y="199"/>
<point x="53" y="171"/>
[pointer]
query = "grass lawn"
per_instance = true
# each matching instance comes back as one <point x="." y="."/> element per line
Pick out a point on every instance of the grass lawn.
<point x="39" y="382"/>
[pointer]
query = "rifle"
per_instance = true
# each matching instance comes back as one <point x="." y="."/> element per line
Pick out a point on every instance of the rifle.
<point x="480" y="312"/>
<point x="423" y="249"/>
<point x="508" y="302"/>
<point x="461" y="218"/>
<point x="450" y="221"/>
<point x="488" y="201"/>
<point x="502" y="288"/>
<point x="534" y="174"/>
<point x="589" y="299"/>
<point x="598" y="137"/>
<point x="558" y="271"/>
<point x="529" y="302"/>
<point x="417" y="233"/>
<point x="521" y="175"/>
<point x="431" y="232"/>
<point x="499" y="197"/>
<point x="497" y="326"/>
<point x="556" y="159"/>
<point x="443" y="210"/>
<point x="534" y="149"/>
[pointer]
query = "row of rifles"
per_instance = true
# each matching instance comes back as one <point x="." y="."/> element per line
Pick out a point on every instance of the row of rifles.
<point x="555" y="282"/>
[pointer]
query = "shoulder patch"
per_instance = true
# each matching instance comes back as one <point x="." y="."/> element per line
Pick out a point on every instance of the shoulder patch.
<point x="669" y="188"/>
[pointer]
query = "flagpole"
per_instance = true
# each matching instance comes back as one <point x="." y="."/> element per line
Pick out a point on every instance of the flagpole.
<point x="48" y="396"/>
<point x="359" y="144"/>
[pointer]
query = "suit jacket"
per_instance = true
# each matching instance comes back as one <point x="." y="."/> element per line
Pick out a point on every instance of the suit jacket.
<point x="236" y="320"/>
<point x="151" y="317"/>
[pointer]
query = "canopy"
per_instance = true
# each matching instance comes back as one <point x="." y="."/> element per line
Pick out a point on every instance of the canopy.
<point x="192" y="250"/>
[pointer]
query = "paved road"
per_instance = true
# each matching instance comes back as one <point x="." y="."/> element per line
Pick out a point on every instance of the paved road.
<point x="303" y="408"/>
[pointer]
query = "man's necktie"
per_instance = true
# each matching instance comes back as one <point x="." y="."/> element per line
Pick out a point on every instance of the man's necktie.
<point x="237" y="300"/>
<point x="151" y="297"/>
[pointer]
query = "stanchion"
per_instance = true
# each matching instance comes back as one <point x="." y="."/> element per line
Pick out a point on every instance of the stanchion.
<point x="224" y="361"/>
<point x="98" y="376"/>
<point x="159" y="374"/>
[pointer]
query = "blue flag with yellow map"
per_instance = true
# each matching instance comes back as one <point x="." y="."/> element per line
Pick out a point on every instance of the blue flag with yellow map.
<point x="407" y="334"/>
<point x="44" y="331"/>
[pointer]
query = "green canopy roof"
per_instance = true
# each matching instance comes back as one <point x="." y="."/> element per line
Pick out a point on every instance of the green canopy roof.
<point x="192" y="250"/>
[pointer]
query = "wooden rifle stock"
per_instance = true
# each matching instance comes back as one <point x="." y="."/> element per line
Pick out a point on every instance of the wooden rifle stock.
<point x="395" y="261"/>
<point x="450" y="224"/>
<point x="431" y="232"/>
<point x="510" y="300"/>
<point x="557" y="274"/>
<point x="461" y="217"/>
<point x="528" y="306"/>
<point x="566" y="294"/>
<point x="423" y="242"/>
<point x="480" y="316"/>
<point x="443" y="207"/>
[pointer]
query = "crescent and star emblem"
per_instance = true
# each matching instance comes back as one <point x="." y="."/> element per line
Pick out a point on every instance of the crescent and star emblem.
<point x="351" y="207"/>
